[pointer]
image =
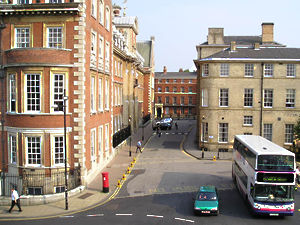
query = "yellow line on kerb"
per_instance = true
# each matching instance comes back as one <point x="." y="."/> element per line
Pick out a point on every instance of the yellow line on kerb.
<point x="181" y="145"/>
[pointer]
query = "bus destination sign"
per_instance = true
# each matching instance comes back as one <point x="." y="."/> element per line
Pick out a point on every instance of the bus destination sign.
<point x="275" y="177"/>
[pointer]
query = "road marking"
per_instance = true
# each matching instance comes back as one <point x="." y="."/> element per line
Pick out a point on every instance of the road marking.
<point x="123" y="214"/>
<point x="156" y="216"/>
<point x="66" y="216"/>
<point x="181" y="219"/>
<point x="96" y="215"/>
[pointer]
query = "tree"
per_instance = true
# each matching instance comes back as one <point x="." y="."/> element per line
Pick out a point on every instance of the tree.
<point x="297" y="129"/>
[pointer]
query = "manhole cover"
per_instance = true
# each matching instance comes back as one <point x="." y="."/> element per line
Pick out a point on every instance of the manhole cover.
<point x="85" y="196"/>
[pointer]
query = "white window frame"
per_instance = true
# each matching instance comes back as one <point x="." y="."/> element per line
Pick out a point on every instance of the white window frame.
<point x="93" y="144"/>
<point x="289" y="134"/>
<point x="100" y="141"/>
<point x="248" y="97"/>
<point x="224" y="70"/>
<point x="107" y="18"/>
<point x="13" y="148"/>
<point x="58" y="42"/>
<point x="182" y="89"/>
<point x="190" y="89"/>
<point x="94" y="8"/>
<point x="167" y="100"/>
<point x="291" y="70"/>
<point x="223" y="97"/>
<point x="174" y="89"/>
<point x="248" y="121"/>
<point x="268" y="131"/>
<point x="190" y="100"/>
<point x="205" y="70"/>
<point x="61" y="150"/>
<point x="268" y="98"/>
<point x="159" y="99"/>
<point x="268" y="70"/>
<point x="106" y="137"/>
<point x="101" y="53"/>
<point x="204" y="132"/>
<point x="290" y="99"/>
<point x="22" y="39"/>
<point x="39" y="98"/>
<point x="40" y="154"/>
<point x="249" y="70"/>
<point x="167" y="89"/>
<point x="107" y="56"/>
<point x="12" y="93"/>
<point x="204" y="97"/>
<point x="223" y="133"/>
<point x="93" y="94"/>
<point x="101" y="12"/>
<point x="57" y="94"/>
<point x="182" y="100"/>
<point x="106" y="103"/>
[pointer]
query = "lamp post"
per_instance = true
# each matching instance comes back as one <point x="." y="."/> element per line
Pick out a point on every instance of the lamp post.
<point x="202" y="137"/>
<point x="66" y="155"/>
<point x="143" y="126"/>
<point x="129" y="124"/>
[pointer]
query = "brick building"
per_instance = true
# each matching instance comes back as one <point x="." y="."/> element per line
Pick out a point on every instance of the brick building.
<point x="247" y="85"/>
<point x="175" y="94"/>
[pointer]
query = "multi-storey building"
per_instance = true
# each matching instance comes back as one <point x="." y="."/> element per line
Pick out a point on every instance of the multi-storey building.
<point x="175" y="94"/>
<point x="51" y="50"/>
<point x="247" y="85"/>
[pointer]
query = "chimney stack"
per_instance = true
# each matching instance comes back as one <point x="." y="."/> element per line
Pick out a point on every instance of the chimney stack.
<point x="233" y="46"/>
<point x="116" y="10"/>
<point x="267" y="33"/>
<point x="256" y="46"/>
<point x="215" y="36"/>
<point x="180" y="70"/>
<point x="165" y="70"/>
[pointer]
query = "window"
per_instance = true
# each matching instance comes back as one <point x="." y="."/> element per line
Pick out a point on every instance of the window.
<point x="167" y="110"/>
<point x="182" y="89"/>
<point x="100" y="140"/>
<point x="182" y="100"/>
<point x="93" y="59"/>
<point x="268" y="131"/>
<point x="174" y="100"/>
<point x="248" y="97"/>
<point x="13" y="149"/>
<point x="249" y="68"/>
<point x="106" y="137"/>
<point x="35" y="190"/>
<point x="94" y="8"/>
<point x="290" y="98"/>
<point x="175" y="81"/>
<point x="93" y="94"/>
<point x="58" y="92"/>
<point x="106" y="94"/>
<point x="101" y="51"/>
<point x="59" y="150"/>
<point x="224" y="70"/>
<point x="248" y="120"/>
<point x="93" y="145"/>
<point x="167" y="81"/>
<point x="54" y="37"/>
<point x="182" y="111"/>
<point x="167" y="89"/>
<point x="190" y="111"/>
<point x="34" y="151"/>
<point x="22" y="37"/>
<point x="59" y="189"/>
<point x="158" y="89"/>
<point x="204" y="132"/>
<point x="107" y="56"/>
<point x="190" y="100"/>
<point x="12" y="93"/>
<point x="204" y="95"/>
<point x="268" y="98"/>
<point x="101" y="12"/>
<point x="174" y="89"/>
<point x="33" y="92"/>
<point x="205" y="70"/>
<point x="100" y="95"/>
<point x="289" y="133"/>
<point x="107" y="18"/>
<point x="23" y="2"/>
<point x="190" y="89"/>
<point x="182" y="81"/>
<point x="55" y="1"/>
<point x="291" y="70"/>
<point x="223" y="132"/>
<point x="190" y="81"/>
<point x="268" y="70"/>
<point x="223" y="98"/>
<point x="167" y="100"/>
<point x="158" y="99"/>
<point x="159" y="81"/>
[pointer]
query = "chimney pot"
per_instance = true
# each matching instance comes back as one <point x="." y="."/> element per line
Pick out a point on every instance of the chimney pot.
<point x="180" y="70"/>
<point x="233" y="46"/>
<point x="256" y="46"/>
<point x="165" y="70"/>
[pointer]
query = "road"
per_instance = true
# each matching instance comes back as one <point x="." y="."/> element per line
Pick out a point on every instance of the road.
<point x="161" y="188"/>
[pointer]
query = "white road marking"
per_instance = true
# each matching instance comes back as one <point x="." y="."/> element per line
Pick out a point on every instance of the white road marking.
<point x="181" y="219"/>
<point x="156" y="216"/>
<point x="67" y="216"/>
<point x="123" y="214"/>
<point x="96" y="215"/>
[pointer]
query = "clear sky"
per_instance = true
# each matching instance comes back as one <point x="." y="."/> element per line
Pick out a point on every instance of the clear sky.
<point x="179" y="25"/>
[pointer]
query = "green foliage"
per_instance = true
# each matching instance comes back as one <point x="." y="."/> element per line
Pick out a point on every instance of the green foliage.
<point x="187" y="70"/>
<point x="297" y="129"/>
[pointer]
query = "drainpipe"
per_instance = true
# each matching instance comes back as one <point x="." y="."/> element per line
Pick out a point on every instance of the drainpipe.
<point x="261" y="99"/>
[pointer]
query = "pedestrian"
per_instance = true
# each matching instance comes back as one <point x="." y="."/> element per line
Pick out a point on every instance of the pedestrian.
<point x="15" y="200"/>
<point x="139" y="146"/>
<point x="176" y="125"/>
<point x="158" y="131"/>
<point x="297" y="175"/>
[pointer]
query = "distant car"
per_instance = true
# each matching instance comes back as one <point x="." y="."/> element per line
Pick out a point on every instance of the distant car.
<point x="207" y="201"/>
<point x="165" y="126"/>
<point x="167" y="120"/>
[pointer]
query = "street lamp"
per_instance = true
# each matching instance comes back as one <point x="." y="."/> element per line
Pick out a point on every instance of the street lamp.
<point x="202" y="137"/>
<point x="62" y="107"/>
<point x="129" y="125"/>
<point x="142" y="125"/>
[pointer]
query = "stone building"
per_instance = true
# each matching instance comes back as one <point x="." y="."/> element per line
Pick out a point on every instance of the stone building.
<point x="247" y="85"/>
<point x="175" y="94"/>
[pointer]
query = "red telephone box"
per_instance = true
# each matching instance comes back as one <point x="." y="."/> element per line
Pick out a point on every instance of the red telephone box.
<point x="105" y="182"/>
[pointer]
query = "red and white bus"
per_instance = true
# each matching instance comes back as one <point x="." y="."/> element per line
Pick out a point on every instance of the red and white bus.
<point x="264" y="173"/>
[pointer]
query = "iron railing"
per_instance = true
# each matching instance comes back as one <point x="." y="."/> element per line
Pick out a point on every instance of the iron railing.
<point x="121" y="135"/>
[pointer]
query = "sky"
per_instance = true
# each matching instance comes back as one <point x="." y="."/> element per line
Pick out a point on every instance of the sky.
<point x="179" y="25"/>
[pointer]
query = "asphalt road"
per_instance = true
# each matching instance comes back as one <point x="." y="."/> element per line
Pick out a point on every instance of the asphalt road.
<point x="161" y="188"/>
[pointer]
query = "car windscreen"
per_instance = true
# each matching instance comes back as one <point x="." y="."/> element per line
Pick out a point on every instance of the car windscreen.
<point x="207" y="196"/>
<point x="275" y="162"/>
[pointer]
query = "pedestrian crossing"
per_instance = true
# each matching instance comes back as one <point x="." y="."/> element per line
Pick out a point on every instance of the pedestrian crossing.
<point x="172" y="133"/>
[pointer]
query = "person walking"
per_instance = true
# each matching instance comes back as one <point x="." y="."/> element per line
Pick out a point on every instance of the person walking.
<point x="15" y="200"/>
<point x="158" y="131"/>
<point x="176" y="125"/>
<point x="139" y="146"/>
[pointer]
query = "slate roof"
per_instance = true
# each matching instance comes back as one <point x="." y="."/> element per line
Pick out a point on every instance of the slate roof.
<point x="176" y="75"/>
<point x="246" y="40"/>
<point x="262" y="53"/>
<point x="144" y="48"/>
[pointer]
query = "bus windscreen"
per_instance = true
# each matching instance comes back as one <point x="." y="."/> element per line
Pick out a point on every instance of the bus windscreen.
<point x="275" y="163"/>
<point x="274" y="193"/>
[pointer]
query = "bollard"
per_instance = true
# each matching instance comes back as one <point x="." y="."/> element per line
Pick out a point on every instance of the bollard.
<point x="128" y="170"/>
<point x="124" y="177"/>
<point x="131" y="164"/>
<point x="134" y="160"/>
<point x="119" y="183"/>
<point x="214" y="159"/>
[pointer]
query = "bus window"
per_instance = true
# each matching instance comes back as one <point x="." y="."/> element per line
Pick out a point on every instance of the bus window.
<point x="275" y="163"/>
<point x="274" y="193"/>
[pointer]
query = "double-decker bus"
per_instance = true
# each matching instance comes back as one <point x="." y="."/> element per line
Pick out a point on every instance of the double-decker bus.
<point x="264" y="173"/>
